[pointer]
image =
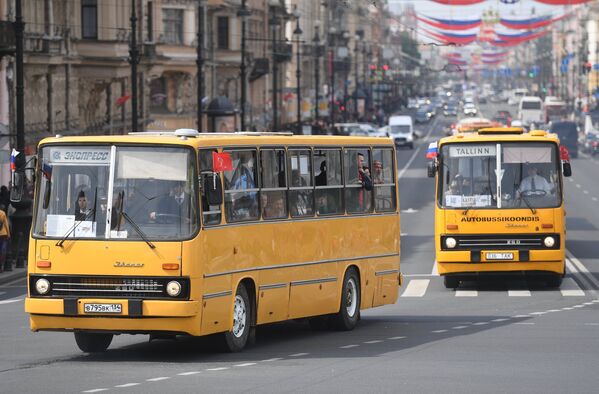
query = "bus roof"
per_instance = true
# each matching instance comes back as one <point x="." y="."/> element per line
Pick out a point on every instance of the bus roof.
<point x="500" y="134"/>
<point x="219" y="139"/>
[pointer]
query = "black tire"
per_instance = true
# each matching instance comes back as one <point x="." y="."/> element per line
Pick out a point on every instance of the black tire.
<point x="450" y="282"/>
<point x="236" y="339"/>
<point x="90" y="342"/>
<point x="554" y="281"/>
<point x="349" y="308"/>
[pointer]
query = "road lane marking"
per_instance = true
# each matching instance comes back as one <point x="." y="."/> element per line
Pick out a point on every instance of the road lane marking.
<point x="217" y="369"/>
<point x="518" y="293"/>
<point x="416" y="288"/>
<point x="127" y="385"/>
<point x="244" y="365"/>
<point x="189" y="373"/>
<point x="2" y="292"/>
<point x="583" y="270"/>
<point x="520" y="316"/>
<point x="567" y="308"/>
<point x="394" y="338"/>
<point x="538" y="313"/>
<point x="459" y="327"/>
<point x="500" y="320"/>
<point x="348" y="346"/>
<point x="439" y="331"/>
<point x="525" y="323"/>
<point x="481" y="323"/>
<point x="11" y="300"/>
<point x="298" y="354"/>
<point x="466" y="293"/>
<point x="578" y="185"/>
<point x="94" y="390"/>
<point x="585" y="191"/>
<point x="373" y="342"/>
<point x="269" y="360"/>
<point x="594" y="198"/>
<point x="158" y="379"/>
<point x="435" y="271"/>
<point x="570" y="288"/>
<point x="409" y="163"/>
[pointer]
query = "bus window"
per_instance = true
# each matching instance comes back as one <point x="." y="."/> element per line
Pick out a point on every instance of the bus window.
<point x="241" y="187"/>
<point x="211" y="214"/>
<point x="356" y="169"/>
<point x="328" y="181"/>
<point x="301" y="187"/>
<point x="273" y="197"/>
<point x="383" y="180"/>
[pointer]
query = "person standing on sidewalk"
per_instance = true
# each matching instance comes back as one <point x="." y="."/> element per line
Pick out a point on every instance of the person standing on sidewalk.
<point x="4" y="237"/>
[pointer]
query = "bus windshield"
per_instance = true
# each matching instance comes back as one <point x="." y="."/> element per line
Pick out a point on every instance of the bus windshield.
<point x="524" y="175"/>
<point x="124" y="192"/>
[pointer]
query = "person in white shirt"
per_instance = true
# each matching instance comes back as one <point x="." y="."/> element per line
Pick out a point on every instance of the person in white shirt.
<point x="534" y="182"/>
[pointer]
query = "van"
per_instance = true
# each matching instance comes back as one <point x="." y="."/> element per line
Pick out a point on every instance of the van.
<point x="401" y="129"/>
<point x="516" y="95"/>
<point x="530" y="110"/>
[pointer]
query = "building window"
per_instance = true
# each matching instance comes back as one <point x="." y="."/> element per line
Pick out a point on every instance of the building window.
<point x="172" y="20"/>
<point x="222" y="25"/>
<point x="89" y="19"/>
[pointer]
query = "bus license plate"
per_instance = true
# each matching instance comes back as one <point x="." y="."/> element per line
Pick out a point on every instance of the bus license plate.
<point x="102" y="308"/>
<point x="499" y="256"/>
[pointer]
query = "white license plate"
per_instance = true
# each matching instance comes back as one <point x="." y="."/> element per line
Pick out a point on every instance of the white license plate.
<point x="103" y="308"/>
<point x="499" y="256"/>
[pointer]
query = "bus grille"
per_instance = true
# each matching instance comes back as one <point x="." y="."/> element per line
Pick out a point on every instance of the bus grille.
<point x="499" y="242"/>
<point x="109" y="287"/>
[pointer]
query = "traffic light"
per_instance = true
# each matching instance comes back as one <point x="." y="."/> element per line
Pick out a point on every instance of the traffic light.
<point x="586" y="68"/>
<point x="372" y="67"/>
<point x="385" y="67"/>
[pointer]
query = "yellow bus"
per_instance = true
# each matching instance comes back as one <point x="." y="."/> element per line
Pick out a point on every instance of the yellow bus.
<point x="499" y="204"/>
<point x="168" y="233"/>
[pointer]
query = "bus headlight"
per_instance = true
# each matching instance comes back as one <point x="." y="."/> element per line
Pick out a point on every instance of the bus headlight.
<point x="173" y="288"/>
<point x="42" y="286"/>
<point x="549" y="242"/>
<point x="450" y="242"/>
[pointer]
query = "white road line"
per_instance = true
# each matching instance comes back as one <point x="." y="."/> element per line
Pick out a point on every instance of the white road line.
<point x="269" y="360"/>
<point x="439" y="331"/>
<point x="567" y="308"/>
<point x="416" y="288"/>
<point x="481" y="323"/>
<point x="373" y="342"/>
<point x="570" y="288"/>
<point x="11" y="300"/>
<point x="583" y="270"/>
<point x="585" y="191"/>
<point x="500" y="320"/>
<point x="459" y="327"/>
<point x="538" y="313"/>
<point x="578" y="306"/>
<point x="578" y="185"/>
<point x="553" y="310"/>
<point x="2" y="292"/>
<point x="520" y="316"/>
<point x="298" y="354"/>
<point x="217" y="369"/>
<point x="518" y="293"/>
<point x="591" y="324"/>
<point x="395" y="338"/>
<point x="348" y="346"/>
<point x="189" y="373"/>
<point x="405" y="168"/>
<point x="94" y="390"/>
<point x="588" y="303"/>
<point x="244" y="365"/>
<point x="466" y="293"/>
<point x="594" y="198"/>
<point x="435" y="271"/>
<point x="525" y="323"/>
<point x="127" y="385"/>
<point x="158" y="379"/>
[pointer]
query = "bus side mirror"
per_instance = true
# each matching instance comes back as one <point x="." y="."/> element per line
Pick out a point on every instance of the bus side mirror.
<point x="431" y="169"/>
<point x="16" y="189"/>
<point x="213" y="189"/>
<point x="567" y="169"/>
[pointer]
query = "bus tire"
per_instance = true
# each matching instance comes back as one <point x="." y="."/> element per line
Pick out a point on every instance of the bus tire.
<point x="349" y="309"/>
<point x="90" y="342"/>
<point x="236" y="339"/>
<point x="554" y="281"/>
<point x="450" y="282"/>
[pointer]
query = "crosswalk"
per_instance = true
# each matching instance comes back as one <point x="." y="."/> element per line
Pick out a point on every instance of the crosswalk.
<point x="418" y="288"/>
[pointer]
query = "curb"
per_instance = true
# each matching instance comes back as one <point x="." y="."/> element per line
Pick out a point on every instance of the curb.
<point x="16" y="273"/>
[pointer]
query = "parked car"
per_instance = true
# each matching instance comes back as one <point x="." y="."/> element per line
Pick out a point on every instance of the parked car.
<point x="371" y="130"/>
<point x="590" y="144"/>
<point x="567" y="133"/>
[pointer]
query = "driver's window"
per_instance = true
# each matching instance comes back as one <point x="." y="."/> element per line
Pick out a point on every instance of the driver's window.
<point x="211" y="214"/>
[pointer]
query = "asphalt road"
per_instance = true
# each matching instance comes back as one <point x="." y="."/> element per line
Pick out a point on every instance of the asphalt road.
<point x="503" y="336"/>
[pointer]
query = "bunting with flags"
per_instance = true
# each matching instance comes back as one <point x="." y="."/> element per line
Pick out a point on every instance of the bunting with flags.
<point x="530" y="23"/>
<point x="450" y="24"/>
<point x="458" y="2"/>
<point x="562" y="2"/>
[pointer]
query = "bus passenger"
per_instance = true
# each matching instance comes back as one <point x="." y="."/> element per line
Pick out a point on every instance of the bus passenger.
<point x="377" y="175"/>
<point x="81" y="210"/>
<point x="274" y="207"/>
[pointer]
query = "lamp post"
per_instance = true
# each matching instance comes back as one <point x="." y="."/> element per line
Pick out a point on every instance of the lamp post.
<point x="297" y="33"/>
<point x="243" y="14"/>
<point x="134" y="61"/>
<point x="316" y="41"/>
<point x="356" y="70"/>
<point x="274" y="23"/>
<point x="200" y="65"/>
<point x="347" y="66"/>
<point x="332" y="32"/>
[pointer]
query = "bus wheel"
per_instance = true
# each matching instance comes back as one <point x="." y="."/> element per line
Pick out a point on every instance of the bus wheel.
<point x="450" y="282"/>
<point x="349" y="310"/>
<point x="554" y="281"/>
<point x="236" y="339"/>
<point x="90" y="342"/>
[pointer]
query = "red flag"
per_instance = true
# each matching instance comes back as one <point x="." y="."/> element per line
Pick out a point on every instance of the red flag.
<point x="123" y="99"/>
<point x="222" y="162"/>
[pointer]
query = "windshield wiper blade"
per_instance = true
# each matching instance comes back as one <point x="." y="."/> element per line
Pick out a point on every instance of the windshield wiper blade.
<point x="73" y="227"/>
<point x="534" y="211"/>
<point x="137" y="229"/>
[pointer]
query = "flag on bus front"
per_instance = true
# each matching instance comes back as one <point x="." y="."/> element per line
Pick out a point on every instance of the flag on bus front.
<point x="431" y="153"/>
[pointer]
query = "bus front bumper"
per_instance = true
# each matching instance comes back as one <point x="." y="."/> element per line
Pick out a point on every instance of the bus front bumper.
<point x="138" y="316"/>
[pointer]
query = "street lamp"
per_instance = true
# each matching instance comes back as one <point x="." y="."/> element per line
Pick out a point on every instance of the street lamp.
<point x="347" y="66"/>
<point x="316" y="41"/>
<point x="243" y="13"/>
<point x="332" y="32"/>
<point x="200" y="65"/>
<point x="358" y="37"/>
<point x="274" y="23"/>
<point x="297" y="33"/>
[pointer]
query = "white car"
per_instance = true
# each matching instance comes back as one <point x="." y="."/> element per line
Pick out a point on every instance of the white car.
<point x="470" y="109"/>
<point x="372" y="130"/>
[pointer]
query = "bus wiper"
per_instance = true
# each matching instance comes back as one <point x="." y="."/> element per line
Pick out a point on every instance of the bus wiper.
<point x="466" y="211"/>
<point x="534" y="211"/>
<point x="73" y="227"/>
<point x="137" y="229"/>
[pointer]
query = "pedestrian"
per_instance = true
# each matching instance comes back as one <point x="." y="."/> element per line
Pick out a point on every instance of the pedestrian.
<point x="4" y="237"/>
<point x="4" y="197"/>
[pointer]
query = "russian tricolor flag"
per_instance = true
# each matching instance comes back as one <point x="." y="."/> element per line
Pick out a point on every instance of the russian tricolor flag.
<point x="431" y="153"/>
<point x="13" y="162"/>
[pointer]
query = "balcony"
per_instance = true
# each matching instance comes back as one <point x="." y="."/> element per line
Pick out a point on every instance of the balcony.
<point x="283" y="52"/>
<point x="261" y="68"/>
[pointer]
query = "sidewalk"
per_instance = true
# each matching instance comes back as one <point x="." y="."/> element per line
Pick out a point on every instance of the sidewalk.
<point x="16" y="273"/>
